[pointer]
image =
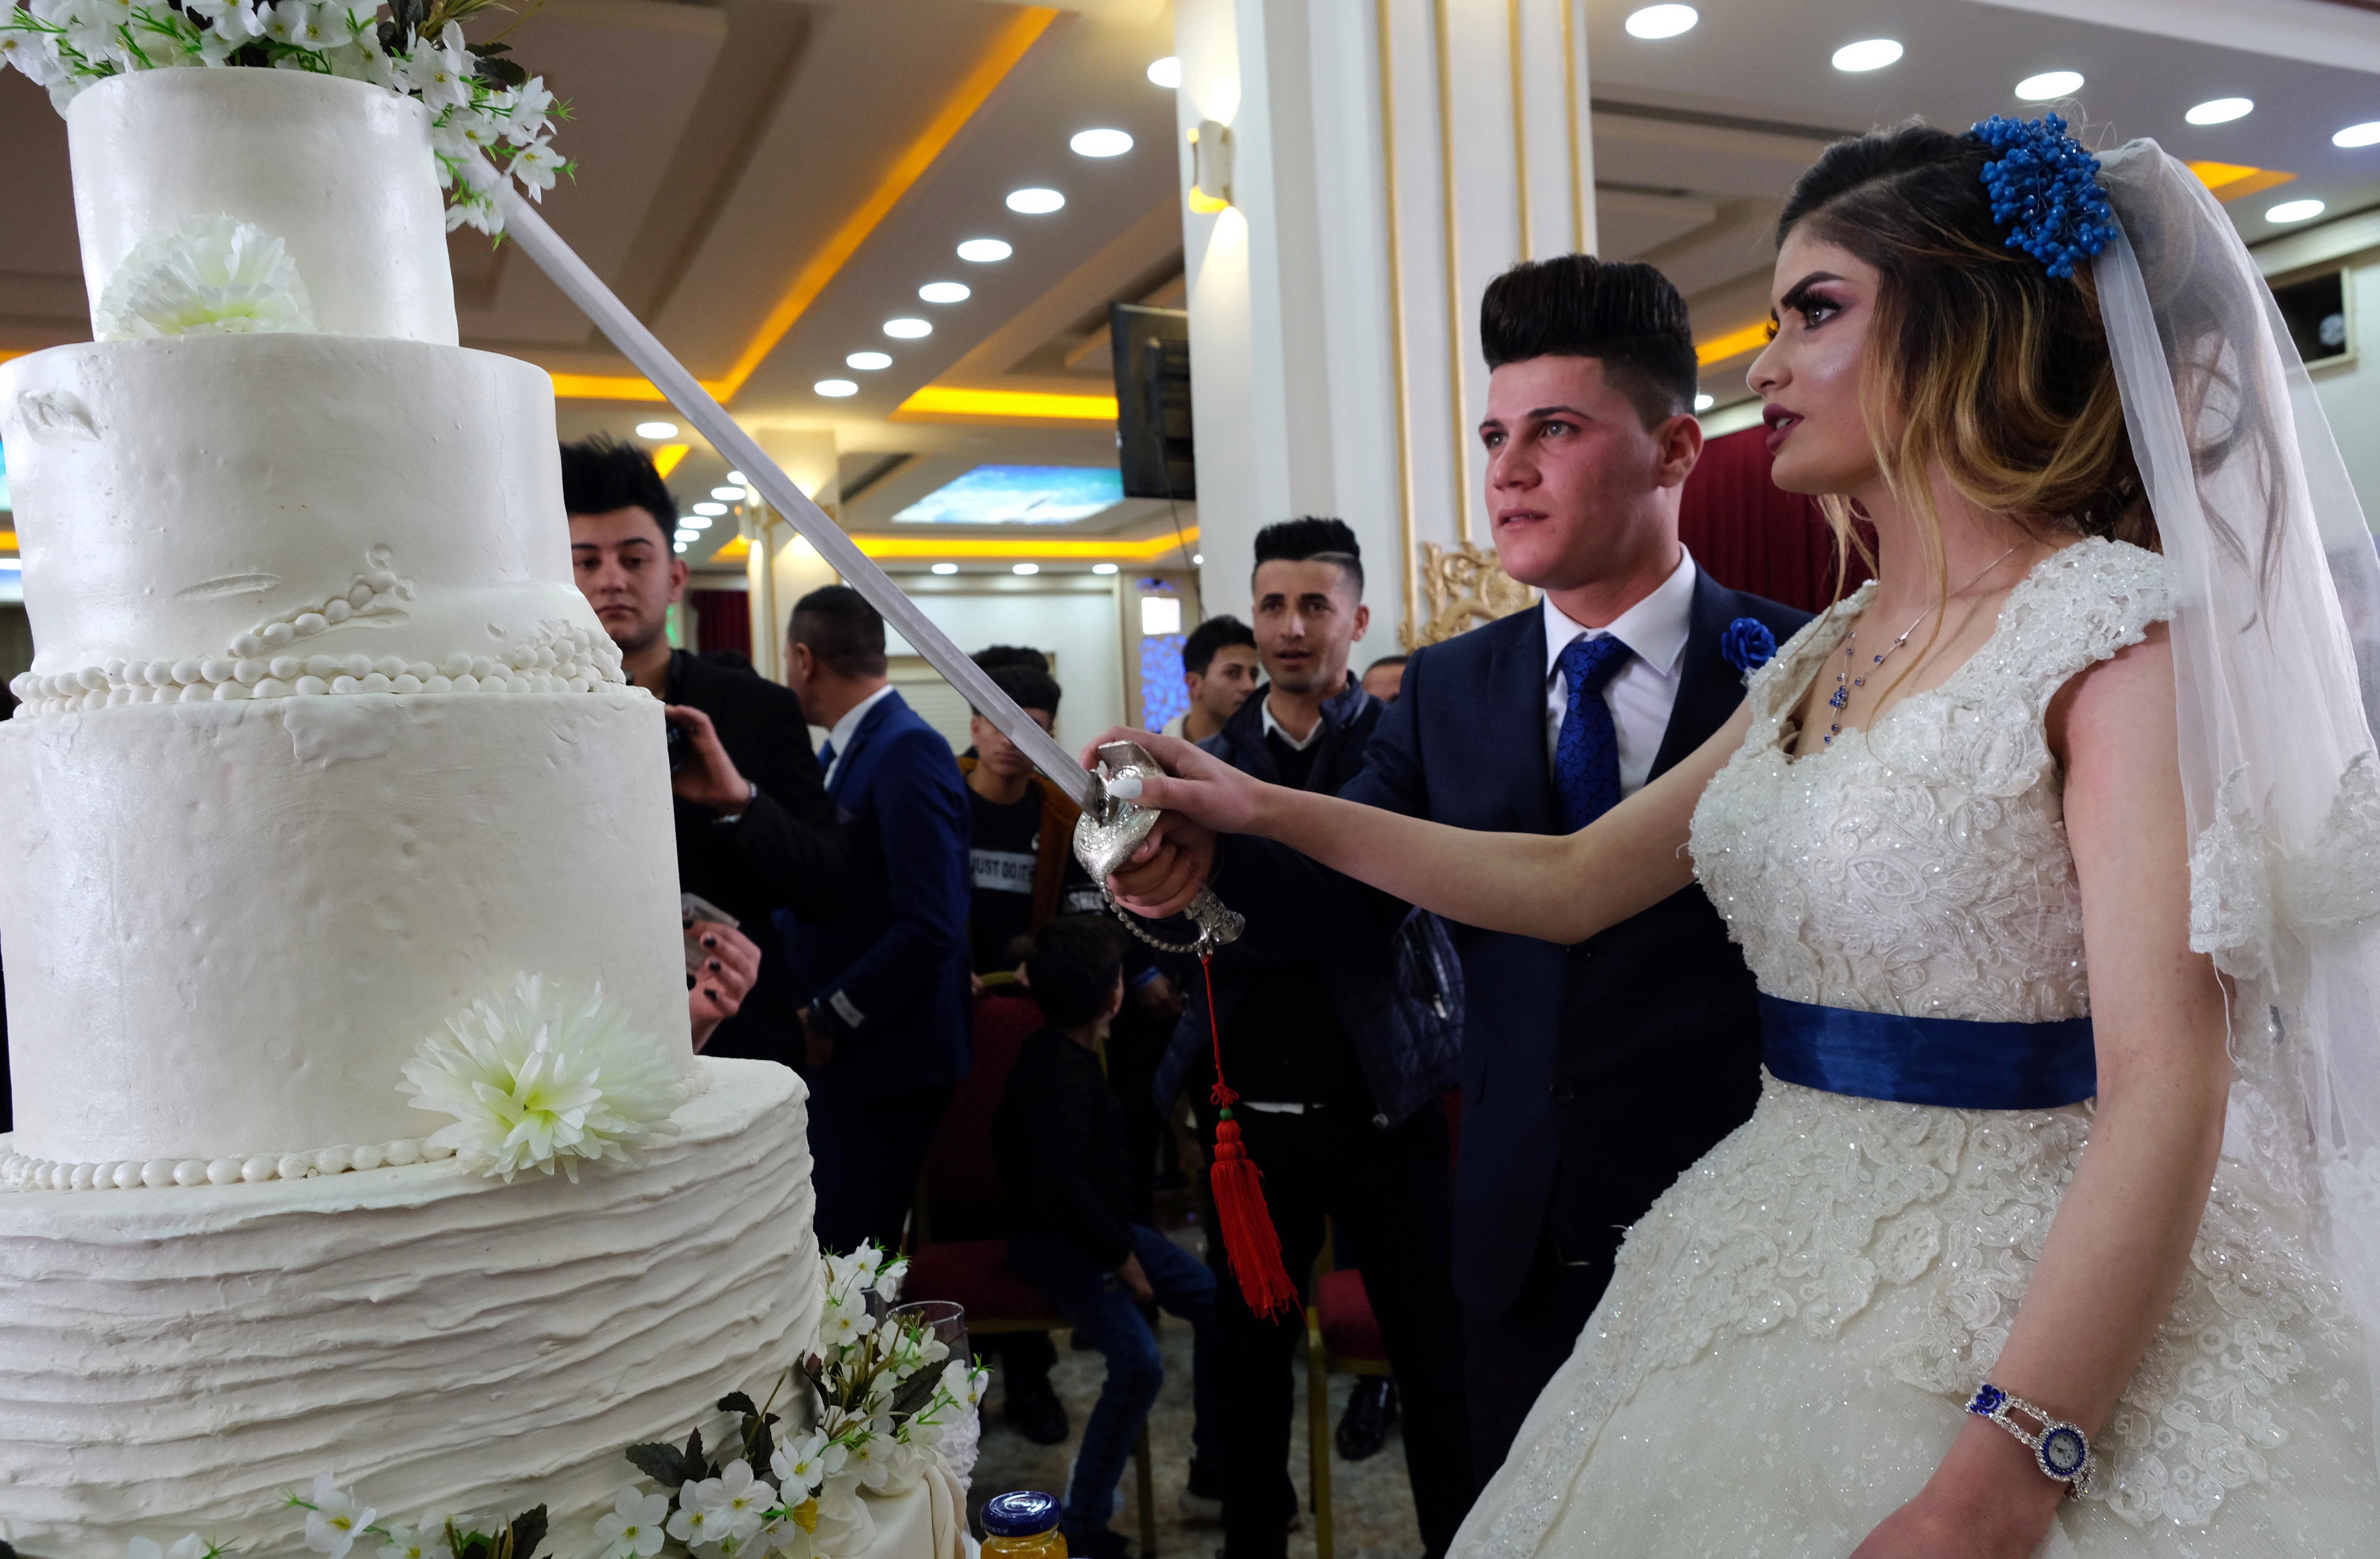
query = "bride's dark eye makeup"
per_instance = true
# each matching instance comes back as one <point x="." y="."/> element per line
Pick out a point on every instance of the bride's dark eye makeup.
<point x="1809" y="299"/>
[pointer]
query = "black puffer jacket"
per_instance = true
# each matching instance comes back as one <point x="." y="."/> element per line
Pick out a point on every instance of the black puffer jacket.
<point x="1400" y="999"/>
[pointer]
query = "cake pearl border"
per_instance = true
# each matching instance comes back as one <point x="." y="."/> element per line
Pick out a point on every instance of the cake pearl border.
<point x="22" y="1172"/>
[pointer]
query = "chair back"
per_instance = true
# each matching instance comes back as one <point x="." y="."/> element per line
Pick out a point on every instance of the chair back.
<point x="960" y="1191"/>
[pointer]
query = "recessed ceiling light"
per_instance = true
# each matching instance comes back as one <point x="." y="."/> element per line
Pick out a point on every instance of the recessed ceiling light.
<point x="1100" y="143"/>
<point x="1104" y="568"/>
<point x="657" y="429"/>
<point x="712" y="510"/>
<point x="2294" y="211"/>
<point x="737" y="477"/>
<point x="900" y="330"/>
<point x="983" y="251"/>
<point x="729" y="494"/>
<point x="1704" y="403"/>
<point x="697" y="521"/>
<point x="1661" y="21"/>
<point x="1024" y="568"/>
<point x="2365" y="134"/>
<point x="687" y="532"/>
<point x="868" y="362"/>
<point x="1868" y="53"/>
<point x="944" y="292"/>
<point x="946" y="568"/>
<point x="677" y="545"/>
<point x="1035" y="202"/>
<point x="2221" y="111"/>
<point x="836" y="388"/>
<point x="1199" y="559"/>
<point x="1166" y="72"/>
<point x="2049" y="84"/>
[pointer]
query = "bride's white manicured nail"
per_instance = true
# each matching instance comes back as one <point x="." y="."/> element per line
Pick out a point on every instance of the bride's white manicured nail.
<point x="1124" y="785"/>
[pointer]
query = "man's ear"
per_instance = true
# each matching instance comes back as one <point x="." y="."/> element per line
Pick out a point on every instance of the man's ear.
<point x="1681" y="442"/>
<point x="678" y="572"/>
<point x="1363" y="619"/>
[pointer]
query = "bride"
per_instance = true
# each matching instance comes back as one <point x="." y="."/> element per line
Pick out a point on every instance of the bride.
<point x="2055" y="852"/>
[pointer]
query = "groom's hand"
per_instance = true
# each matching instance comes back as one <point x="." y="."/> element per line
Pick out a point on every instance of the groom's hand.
<point x="1168" y="869"/>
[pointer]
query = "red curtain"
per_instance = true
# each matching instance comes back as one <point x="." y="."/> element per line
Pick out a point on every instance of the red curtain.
<point x="1751" y="535"/>
<point x="723" y="619"/>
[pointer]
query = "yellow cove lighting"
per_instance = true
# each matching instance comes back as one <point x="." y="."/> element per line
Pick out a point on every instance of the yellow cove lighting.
<point x="2236" y="181"/>
<point x="665" y="458"/>
<point x="736" y="549"/>
<point x="1734" y="344"/>
<point x="938" y="401"/>
<point x="7" y="541"/>
<point x="1054" y="549"/>
<point x="1000" y="56"/>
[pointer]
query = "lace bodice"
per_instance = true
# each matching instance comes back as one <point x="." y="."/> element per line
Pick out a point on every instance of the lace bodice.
<point x="1921" y="866"/>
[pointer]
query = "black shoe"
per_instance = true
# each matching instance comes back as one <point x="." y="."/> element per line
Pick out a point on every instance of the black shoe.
<point x="1033" y="1408"/>
<point x="1105" y="1544"/>
<point x="1363" y="1427"/>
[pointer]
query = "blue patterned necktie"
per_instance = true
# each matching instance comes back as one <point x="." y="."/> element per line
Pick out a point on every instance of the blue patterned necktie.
<point x="1587" y="752"/>
<point x="826" y="757"/>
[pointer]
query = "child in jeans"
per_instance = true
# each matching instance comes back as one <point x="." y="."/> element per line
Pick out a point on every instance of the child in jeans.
<point x="1059" y="1138"/>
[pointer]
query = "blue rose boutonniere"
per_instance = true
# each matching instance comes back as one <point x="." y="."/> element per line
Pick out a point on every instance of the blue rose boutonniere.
<point x="1747" y="644"/>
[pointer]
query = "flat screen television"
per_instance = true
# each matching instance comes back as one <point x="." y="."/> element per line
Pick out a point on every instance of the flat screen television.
<point x="1152" y="381"/>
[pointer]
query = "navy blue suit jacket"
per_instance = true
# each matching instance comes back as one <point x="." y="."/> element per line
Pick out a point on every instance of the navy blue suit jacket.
<point x="893" y="965"/>
<point x="1591" y="1075"/>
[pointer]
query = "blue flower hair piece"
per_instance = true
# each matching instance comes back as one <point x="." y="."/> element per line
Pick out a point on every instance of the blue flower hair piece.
<point x="2045" y="191"/>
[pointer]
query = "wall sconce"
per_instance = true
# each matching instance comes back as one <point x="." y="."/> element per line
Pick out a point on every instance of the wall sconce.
<point x="1210" y="163"/>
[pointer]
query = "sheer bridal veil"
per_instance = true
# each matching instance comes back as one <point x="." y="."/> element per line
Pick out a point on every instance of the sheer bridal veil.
<point x="2277" y="649"/>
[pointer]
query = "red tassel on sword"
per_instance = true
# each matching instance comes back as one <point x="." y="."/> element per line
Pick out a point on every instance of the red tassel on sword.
<point x="1250" y="1242"/>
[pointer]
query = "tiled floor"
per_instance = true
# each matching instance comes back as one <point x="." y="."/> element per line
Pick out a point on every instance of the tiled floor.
<point x="1371" y="1499"/>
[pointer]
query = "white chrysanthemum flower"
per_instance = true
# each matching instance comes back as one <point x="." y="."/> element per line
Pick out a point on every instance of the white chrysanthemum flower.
<point x="536" y="1079"/>
<point x="634" y="1527"/>
<point x="535" y="165"/>
<point x="208" y="275"/>
<point x="335" y="1521"/>
<point x="427" y="1540"/>
<point x="528" y="111"/>
<point x="739" y="1499"/>
<point x="803" y="1466"/>
<point x="190" y="1547"/>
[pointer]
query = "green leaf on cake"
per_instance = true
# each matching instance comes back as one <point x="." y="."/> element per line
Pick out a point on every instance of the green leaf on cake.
<point x="740" y="1402"/>
<point x="528" y="1532"/>
<point x="657" y="1462"/>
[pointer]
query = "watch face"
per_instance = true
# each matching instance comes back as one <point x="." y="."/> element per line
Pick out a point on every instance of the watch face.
<point x="2063" y="1451"/>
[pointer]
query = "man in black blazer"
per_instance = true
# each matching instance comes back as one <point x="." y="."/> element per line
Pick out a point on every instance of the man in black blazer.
<point x="1592" y="1075"/>
<point x="755" y="832"/>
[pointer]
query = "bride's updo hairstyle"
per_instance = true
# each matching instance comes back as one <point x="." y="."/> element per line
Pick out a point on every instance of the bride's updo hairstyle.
<point x="1981" y="364"/>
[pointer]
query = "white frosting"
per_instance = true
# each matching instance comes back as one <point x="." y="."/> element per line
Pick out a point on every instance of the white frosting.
<point x="228" y="925"/>
<point x="169" y="1362"/>
<point x="175" y="496"/>
<point x="339" y="171"/>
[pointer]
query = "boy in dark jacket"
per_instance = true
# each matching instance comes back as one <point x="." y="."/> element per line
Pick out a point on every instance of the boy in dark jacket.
<point x="1059" y="1139"/>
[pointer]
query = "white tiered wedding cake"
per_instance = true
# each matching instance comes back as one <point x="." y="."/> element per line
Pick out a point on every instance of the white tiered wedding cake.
<point x="324" y="756"/>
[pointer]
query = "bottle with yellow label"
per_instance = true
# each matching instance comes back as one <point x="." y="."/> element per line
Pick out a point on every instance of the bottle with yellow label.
<point x="1022" y="1525"/>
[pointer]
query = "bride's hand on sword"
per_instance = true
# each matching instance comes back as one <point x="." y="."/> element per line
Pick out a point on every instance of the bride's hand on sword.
<point x="1197" y="796"/>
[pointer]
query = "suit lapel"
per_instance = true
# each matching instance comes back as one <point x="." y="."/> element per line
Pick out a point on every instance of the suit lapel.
<point x="1708" y="688"/>
<point x="1516" y="680"/>
<point x="869" y="724"/>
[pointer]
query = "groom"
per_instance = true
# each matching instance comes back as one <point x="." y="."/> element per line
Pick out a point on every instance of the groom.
<point x="1592" y="1075"/>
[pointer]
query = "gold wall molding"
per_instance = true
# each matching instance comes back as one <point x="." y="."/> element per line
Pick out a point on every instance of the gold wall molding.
<point x="1465" y="586"/>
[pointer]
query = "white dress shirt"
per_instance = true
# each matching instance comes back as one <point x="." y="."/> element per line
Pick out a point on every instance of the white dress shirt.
<point x="1274" y="727"/>
<point x="1643" y="692"/>
<point x="849" y="727"/>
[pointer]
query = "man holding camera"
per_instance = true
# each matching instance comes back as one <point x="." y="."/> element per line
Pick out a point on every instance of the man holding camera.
<point x="754" y="831"/>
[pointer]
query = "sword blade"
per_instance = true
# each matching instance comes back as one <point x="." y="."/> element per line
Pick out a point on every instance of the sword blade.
<point x="523" y="227"/>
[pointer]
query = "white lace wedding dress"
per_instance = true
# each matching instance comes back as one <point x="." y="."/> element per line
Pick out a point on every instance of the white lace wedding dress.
<point x="1794" y="1329"/>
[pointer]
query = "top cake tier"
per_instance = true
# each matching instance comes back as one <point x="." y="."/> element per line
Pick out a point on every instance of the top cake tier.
<point x="339" y="171"/>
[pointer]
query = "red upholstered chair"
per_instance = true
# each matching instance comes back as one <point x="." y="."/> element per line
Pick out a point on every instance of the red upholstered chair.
<point x="1341" y="1334"/>
<point x="956" y="1250"/>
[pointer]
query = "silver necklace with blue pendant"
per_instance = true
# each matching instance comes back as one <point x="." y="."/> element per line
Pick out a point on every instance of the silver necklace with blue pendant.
<point x="1845" y="682"/>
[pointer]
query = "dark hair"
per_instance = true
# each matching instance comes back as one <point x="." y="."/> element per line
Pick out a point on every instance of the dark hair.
<point x="1030" y="686"/>
<point x="1385" y="661"/>
<point x="1216" y="633"/>
<point x="1073" y="969"/>
<point x="1625" y="315"/>
<point x="1980" y="362"/>
<point x="842" y="630"/>
<point x="1312" y="539"/>
<point x="994" y="657"/>
<point x="601" y="474"/>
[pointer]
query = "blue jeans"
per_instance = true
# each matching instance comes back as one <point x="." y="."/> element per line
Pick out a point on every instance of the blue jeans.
<point x="1099" y="1304"/>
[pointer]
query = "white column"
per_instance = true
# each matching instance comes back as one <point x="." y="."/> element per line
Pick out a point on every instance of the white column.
<point x="781" y="567"/>
<point x="1387" y="158"/>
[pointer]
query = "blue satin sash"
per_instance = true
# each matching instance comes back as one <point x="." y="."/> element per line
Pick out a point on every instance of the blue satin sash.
<point x="1955" y="1062"/>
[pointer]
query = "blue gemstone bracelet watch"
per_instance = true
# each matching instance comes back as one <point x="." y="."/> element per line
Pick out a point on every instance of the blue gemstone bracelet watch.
<point x="2058" y="1449"/>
